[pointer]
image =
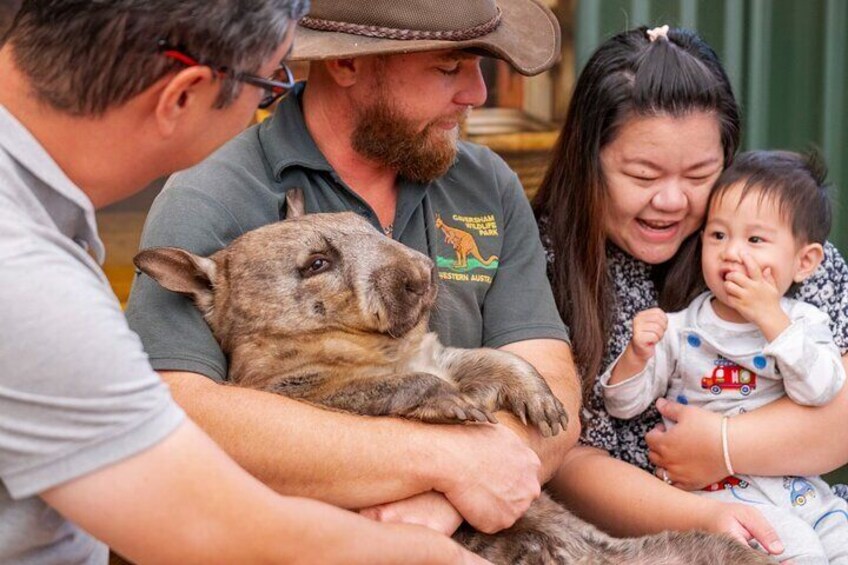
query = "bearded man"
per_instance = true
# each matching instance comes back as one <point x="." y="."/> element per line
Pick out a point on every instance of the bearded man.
<point x="375" y="130"/>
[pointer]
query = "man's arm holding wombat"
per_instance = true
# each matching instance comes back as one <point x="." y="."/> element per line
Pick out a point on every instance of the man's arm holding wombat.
<point x="354" y="462"/>
<point x="174" y="519"/>
<point x="553" y="360"/>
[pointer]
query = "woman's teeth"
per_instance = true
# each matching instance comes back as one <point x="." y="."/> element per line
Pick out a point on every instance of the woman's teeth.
<point x="657" y="225"/>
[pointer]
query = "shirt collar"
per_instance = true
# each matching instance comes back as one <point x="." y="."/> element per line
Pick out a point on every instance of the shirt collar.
<point x="287" y="143"/>
<point x="20" y="144"/>
<point x="285" y="139"/>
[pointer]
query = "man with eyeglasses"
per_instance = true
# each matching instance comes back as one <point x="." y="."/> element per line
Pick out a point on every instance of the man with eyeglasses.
<point x="375" y="130"/>
<point x="92" y="447"/>
<point x="273" y="87"/>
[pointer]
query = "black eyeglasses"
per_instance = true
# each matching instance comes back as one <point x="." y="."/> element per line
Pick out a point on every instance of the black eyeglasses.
<point x="275" y="86"/>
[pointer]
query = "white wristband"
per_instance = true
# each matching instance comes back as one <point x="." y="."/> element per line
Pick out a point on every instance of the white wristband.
<point x="724" y="449"/>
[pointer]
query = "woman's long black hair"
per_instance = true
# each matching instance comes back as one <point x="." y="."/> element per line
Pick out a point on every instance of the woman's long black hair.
<point x="628" y="76"/>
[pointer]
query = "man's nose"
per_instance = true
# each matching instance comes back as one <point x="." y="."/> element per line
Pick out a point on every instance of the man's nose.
<point x="671" y="197"/>
<point x="472" y="91"/>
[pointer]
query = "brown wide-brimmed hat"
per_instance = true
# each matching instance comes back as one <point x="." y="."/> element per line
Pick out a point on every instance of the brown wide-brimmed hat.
<point x="522" y="32"/>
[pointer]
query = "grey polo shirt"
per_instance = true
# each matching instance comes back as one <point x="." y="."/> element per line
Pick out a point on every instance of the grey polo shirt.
<point x="474" y="222"/>
<point x="76" y="390"/>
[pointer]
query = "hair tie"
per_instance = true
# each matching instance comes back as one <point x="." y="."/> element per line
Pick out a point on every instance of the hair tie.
<point x="657" y="32"/>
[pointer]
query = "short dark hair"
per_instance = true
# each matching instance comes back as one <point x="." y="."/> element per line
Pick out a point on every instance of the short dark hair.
<point x="796" y="182"/>
<point x="628" y="76"/>
<point x="84" y="57"/>
<point x="8" y="9"/>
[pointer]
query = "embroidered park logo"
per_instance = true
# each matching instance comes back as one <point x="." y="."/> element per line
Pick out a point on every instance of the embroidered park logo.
<point x="467" y="256"/>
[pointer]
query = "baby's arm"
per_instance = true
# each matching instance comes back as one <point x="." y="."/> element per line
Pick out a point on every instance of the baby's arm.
<point x="639" y="376"/>
<point x="808" y="359"/>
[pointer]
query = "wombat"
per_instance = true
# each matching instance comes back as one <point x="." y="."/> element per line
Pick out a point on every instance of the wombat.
<point x="325" y="309"/>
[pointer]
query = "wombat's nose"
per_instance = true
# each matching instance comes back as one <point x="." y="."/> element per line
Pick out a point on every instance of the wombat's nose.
<point x="417" y="286"/>
<point x="420" y="278"/>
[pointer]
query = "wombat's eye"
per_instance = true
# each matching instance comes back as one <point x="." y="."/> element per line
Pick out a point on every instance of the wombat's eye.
<point x="316" y="264"/>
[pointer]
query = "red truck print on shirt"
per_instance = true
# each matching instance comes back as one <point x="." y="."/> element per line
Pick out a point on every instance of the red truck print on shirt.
<point x="729" y="375"/>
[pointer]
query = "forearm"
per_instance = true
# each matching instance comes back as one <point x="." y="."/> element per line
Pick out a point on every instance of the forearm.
<point x="620" y="498"/>
<point x="631" y="395"/>
<point x="760" y="440"/>
<point x="301" y="450"/>
<point x="807" y="360"/>
<point x="189" y="502"/>
<point x="628" y="366"/>
<point x="554" y="362"/>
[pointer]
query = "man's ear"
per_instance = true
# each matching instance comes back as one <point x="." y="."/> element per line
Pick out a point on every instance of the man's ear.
<point x="182" y="93"/>
<point x="345" y="72"/>
<point x="808" y="260"/>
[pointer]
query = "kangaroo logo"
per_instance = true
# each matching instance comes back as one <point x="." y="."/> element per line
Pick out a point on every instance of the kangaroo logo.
<point x="463" y="244"/>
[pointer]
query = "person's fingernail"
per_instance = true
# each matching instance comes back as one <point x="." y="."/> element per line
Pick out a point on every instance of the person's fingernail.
<point x="777" y="547"/>
<point x="661" y="402"/>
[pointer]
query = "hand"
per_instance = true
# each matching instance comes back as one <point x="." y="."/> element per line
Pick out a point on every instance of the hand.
<point x="648" y="329"/>
<point x="754" y="295"/>
<point x="690" y="452"/>
<point x="429" y="509"/>
<point x="745" y="523"/>
<point x="489" y="475"/>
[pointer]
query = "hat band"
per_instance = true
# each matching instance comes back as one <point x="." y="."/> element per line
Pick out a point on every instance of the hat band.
<point x="380" y="32"/>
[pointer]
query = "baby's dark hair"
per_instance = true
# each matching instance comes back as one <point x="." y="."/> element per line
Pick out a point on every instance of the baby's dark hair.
<point x="797" y="182"/>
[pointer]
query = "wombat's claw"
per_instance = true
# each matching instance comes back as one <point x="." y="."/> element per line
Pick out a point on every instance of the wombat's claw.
<point x="520" y="410"/>
<point x="450" y="410"/>
<point x="547" y="415"/>
<point x="458" y="413"/>
<point x="557" y="418"/>
<point x="483" y="417"/>
<point x="539" y="418"/>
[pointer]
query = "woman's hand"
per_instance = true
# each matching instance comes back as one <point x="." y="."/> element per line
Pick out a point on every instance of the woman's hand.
<point x="429" y="509"/>
<point x="745" y="523"/>
<point x="690" y="452"/>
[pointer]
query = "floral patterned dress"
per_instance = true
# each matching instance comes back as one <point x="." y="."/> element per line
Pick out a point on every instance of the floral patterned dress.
<point x="635" y="291"/>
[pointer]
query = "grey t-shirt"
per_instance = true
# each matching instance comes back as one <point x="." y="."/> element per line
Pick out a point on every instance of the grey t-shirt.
<point x="494" y="295"/>
<point x="76" y="390"/>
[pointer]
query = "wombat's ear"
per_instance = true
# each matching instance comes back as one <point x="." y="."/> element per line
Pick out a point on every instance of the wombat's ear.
<point x="295" y="207"/>
<point x="180" y="271"/>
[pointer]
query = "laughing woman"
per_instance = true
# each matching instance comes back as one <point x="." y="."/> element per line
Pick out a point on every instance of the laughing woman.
<point x="651" y="125"/>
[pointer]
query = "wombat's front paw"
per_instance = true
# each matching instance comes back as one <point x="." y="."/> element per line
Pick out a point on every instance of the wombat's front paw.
<point x="449" y="409"/>
<point x="541" y="409"/>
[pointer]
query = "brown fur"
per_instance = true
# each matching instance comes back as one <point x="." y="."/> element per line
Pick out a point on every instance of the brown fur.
<point x="325" y="309"/>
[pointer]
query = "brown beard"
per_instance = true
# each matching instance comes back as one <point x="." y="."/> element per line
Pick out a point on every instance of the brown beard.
<point x="383" y="135"/>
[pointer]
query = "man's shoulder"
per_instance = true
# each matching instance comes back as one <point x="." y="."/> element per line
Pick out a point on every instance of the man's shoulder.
<point x="474" y="155"/>
<point x="479" y="166"/>
<point x="231" y="188"/>
<point x="239" y="159"/>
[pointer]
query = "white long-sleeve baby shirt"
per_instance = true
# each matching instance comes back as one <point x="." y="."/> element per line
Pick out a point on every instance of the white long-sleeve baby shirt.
<point x="729" y="367"/>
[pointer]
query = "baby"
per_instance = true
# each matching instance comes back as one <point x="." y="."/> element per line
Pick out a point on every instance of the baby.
<point x="743" y="344"/>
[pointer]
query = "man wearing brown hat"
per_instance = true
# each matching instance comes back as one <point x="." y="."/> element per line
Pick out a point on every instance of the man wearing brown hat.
<point x="375" y="130"/>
